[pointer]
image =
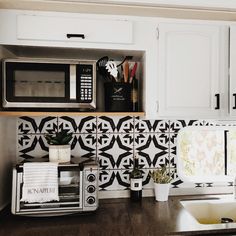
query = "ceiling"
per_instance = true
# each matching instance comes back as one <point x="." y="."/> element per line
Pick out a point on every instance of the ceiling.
<point x="154" y="8"/>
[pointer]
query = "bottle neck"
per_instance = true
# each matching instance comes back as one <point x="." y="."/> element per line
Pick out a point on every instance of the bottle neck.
<point x="136" y="165"/>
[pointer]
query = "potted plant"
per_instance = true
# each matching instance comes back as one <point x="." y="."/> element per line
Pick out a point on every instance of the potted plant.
<point x="161" y="181"/>
<point x="59" y="147"/>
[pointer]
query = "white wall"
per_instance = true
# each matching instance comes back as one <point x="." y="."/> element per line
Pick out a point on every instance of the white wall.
<point x="7" y="150"/>
<point x="7" y="157"/>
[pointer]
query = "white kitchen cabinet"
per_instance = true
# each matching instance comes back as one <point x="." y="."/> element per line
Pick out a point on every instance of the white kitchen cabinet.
<point x="37" y="34"/>
<point x="193" y="70"/>
<point x="232" y="81"/>
<point x="67" y="29"/>
<point x="58" y="29"/>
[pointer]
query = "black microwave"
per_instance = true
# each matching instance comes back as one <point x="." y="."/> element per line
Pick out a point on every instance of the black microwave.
<point x="39" y="83"/>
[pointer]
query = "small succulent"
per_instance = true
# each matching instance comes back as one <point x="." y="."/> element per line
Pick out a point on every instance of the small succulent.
<point x="59" y="138"/>
<point x="160" y="176"/>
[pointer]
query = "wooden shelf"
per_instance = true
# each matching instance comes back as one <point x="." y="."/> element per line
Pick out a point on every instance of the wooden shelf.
<point x="44" y="113"/>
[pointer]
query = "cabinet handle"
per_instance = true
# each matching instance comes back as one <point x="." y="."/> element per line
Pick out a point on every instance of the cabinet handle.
<point x="75" y="36"/>
<point x="234" y="95"/>
<point x="217" y="101"/>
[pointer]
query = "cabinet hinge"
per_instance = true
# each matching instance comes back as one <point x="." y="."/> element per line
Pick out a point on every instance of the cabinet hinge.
<point x="157" y="33"/>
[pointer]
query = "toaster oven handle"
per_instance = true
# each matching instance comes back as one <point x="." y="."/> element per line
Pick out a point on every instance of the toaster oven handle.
<point x="19" y="168"/>
<point x="75" y="36"/>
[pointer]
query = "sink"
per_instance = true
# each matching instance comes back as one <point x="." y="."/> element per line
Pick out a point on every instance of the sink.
<point x="211" y="211"/>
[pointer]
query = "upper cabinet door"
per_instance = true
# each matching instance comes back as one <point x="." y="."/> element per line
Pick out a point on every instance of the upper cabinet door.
<point x="193" y="64"/>
<point x="232" y="82"/>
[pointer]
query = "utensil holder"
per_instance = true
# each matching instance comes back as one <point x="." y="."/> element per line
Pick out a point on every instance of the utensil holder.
<point x="117" y="97"/>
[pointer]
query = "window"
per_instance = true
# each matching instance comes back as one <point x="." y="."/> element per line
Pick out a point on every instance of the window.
<point x="206" y="154"/>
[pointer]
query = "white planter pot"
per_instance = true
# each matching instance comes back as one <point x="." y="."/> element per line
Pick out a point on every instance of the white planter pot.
<point x="161" y="191"/>
<point x="59" y="153"/>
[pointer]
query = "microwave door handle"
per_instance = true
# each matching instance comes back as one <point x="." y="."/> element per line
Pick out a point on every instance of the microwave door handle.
<point x="72" y="82"/>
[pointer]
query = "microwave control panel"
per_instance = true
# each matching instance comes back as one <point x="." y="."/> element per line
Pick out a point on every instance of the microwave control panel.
<point x="85" y="83"/>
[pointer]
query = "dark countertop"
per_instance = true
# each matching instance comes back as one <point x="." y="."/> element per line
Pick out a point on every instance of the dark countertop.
<point x="117" y="217"/>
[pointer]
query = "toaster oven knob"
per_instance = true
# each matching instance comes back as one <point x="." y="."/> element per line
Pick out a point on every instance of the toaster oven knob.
<point x="91" y="189"/>
<point x="90" y="200"/>
<point x="91" y="177"/>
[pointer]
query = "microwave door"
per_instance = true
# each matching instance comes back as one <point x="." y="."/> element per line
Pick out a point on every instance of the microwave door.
<point x="28" y="84"/>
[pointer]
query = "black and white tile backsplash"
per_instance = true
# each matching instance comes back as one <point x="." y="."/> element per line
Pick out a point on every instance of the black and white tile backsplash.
<point x="113" y="141"/>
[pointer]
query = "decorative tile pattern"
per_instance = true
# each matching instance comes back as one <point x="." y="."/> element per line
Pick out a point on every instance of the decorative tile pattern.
<point x="114" y="179"/>
<point x="178" y="183"/>
<point x="115" y="151"/>
<point x="147" y="180"/>
<point x="32" y="146"/>
<point x="83" y="145"/>
<point x="86" y="124"/>
<point x="37" y="125"/>
<point x="113" y="140"/>
<point x="173" y="149"/>
<point x="120" y="179"/>
<point x="152" y="149"/>
<point x="150" y="126"/>
<point x="176" y="125"/>
<point x="115" y="124"/>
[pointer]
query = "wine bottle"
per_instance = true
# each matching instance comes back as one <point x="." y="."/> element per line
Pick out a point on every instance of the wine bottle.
<point x="134" y="94"/>
<point x="136" y="182"/>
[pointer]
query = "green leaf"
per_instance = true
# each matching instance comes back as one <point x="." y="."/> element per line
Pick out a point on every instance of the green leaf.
<point x="59" y="138"/>
<point x="160" y="175"/>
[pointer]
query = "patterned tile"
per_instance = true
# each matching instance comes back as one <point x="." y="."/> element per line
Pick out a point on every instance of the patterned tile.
<point x="114" y="179"/>
<point x="113" y="140"/>
<point x="32" y="146"/>
<point x="35" y="146"/>
<point x="178" y="183"/>
<point x="150" y="126"/>
<point x="115" y="151"/>
<point x="78" y="124"/>
<point x="147" y="180"/>
<point x="176" y="125"/>
<point x="36" y="125"/>
<point x="120" y="179"/>
<point x="115" y="124"/>
<point x="84" y="145"/>
<point x="173" y="149"/>
<point x="152" y="149"/>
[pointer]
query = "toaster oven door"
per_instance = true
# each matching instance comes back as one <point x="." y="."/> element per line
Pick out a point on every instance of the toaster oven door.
<point x="70" y="195"/>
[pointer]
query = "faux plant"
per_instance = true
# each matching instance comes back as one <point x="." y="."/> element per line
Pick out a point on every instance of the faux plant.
<point x="59" y="138"/>
<point x="160" y="176"/>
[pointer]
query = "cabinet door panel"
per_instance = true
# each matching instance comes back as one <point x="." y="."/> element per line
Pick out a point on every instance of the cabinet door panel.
<point x="31" y="27"/>
<point x="190" y="69"/>
<point x="232" y="89"/>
